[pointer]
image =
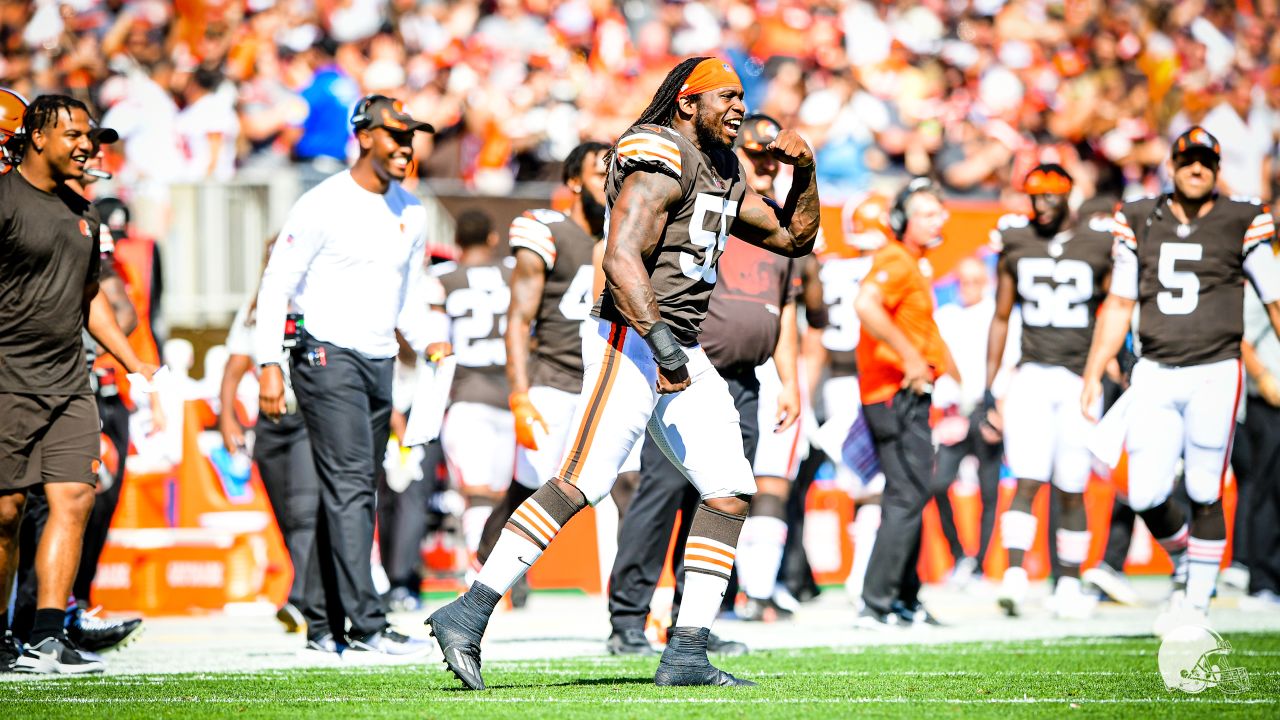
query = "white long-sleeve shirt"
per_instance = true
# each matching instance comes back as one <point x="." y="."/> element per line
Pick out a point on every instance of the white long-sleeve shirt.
<point x="351" y="261"/>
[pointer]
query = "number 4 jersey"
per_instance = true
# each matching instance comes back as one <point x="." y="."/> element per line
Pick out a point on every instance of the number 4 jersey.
<point x="682" y="268"/>
<point x="565" y="250"/>
<point x="1060" y="283"/>
<point x="1188" y="279"/>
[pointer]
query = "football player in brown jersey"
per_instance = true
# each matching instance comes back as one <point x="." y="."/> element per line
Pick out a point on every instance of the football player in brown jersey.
<point x="1181" y="259"/>
<point x="675" y="192"/>
<point x="1057" y="271"/>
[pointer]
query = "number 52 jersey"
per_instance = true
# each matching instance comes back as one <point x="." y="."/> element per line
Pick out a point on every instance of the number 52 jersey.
<point x="1060" y="283"/>
<point x="1188" y="278"/>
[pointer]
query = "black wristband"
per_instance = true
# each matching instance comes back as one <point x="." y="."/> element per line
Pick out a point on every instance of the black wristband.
<point x="666" y="351"/>
<point x="265" y="365"/>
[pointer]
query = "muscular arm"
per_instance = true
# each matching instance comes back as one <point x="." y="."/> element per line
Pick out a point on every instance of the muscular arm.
<point x="790" y="230"/>
<point x="102" y="326"/>
<point x="999" y="334"/>
<point x="527" y="282"/>
<point x="635" y="227"/>
<point x="1108" y="337"/>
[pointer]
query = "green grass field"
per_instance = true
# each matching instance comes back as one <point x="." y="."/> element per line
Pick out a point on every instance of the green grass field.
<point x="1076" y="677"/>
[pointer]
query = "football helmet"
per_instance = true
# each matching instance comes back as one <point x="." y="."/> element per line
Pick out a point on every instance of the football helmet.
<point x="1193" y="657"/>
<point x="12" y="108"/>
<point x="866" y="224"/>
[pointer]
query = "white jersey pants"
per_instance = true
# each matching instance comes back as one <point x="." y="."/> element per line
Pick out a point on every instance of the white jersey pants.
<point x="777" y="454"/>
<point x="697" y="428"/>
<point x="1180" y="412"/>
<point x="479" y="443"/>
<point x="1045" y="434"/>
<point x="535" y="467"/>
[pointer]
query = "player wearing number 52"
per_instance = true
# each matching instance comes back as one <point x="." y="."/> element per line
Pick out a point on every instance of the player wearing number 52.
<point x="1056" y="271"/>
<point x="350" y="259"/>
<point x="1182" y="259"/>
<point x="675" y="191"/>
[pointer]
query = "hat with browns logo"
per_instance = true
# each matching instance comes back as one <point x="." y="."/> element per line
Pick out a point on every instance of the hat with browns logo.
<point x="376" y="111"/>
<point x="757" y="132"/>
<point x="1197" y="140"/>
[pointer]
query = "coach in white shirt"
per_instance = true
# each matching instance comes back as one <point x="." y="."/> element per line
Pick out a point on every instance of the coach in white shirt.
<point x="350" y="258"/>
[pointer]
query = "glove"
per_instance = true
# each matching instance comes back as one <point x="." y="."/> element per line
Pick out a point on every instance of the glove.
<point x="526" y="416"/>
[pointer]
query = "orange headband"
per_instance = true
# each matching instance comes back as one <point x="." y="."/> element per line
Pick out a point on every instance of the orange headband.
<point x="710" y="74"/>
<point x="1047" y="182"/>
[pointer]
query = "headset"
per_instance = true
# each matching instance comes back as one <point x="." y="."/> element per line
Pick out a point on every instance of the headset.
<point x="360" y="115"/>
<point x="898" y="215"/>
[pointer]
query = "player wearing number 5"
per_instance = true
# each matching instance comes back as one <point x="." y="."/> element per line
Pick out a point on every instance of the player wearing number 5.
<point x="675" y="192"/>
<point x="1182" y="259"/>
<point x="1057" y="272"/>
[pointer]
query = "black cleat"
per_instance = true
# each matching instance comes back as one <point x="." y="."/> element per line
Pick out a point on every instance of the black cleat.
<point x="89" y="632"/>
<point x="520" y="593"/>
<point x="458" y="628"/>
<point x="10" y="650"/>
<point x="755" y="610"/>
<point x="914" y="615"/>
<point x="630" y="641"/>
<point x="685" y="662"/>
<point x="720" y="646"/>
<point x="291" y="618"/>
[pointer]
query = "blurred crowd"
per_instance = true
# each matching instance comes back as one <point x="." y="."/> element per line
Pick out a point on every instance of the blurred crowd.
<point x="973" y="92"/>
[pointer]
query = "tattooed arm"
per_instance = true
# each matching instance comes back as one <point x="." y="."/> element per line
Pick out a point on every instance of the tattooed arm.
<point x="792" y="229"/>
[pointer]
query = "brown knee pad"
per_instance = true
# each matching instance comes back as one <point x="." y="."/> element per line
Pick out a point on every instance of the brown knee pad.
<point x="545" y="512"/>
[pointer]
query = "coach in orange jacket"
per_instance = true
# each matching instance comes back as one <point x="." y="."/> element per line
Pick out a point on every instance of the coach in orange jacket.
<point x="900" y="353"/>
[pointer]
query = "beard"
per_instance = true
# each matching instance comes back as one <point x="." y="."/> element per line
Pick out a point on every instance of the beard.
<point x="708" y="132"/>
<point x="594" y="212"/>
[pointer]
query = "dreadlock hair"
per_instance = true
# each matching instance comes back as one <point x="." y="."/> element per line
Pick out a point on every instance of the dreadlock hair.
<point x="42" y="113"/>
<point x="662" y="108"/>
<point x="577" y="157"/>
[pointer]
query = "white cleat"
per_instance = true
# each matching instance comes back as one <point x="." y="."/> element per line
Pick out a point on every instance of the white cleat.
<point x="1113" y="583"/>
<point x="1013" y="591"/>
<point x="1069" y="601"/>
<point x="1178" y="612"/>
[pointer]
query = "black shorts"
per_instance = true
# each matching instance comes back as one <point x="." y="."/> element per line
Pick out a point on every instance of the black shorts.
<point x="48" y="439"/>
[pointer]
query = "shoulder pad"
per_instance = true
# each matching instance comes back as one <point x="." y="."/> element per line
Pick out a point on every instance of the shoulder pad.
<point x="645" y="147"/>
<point x="1011" y="221"/>
<point x="444" y="268"/>
<point x="530" y="231"/>
<point x="1102" y="223"/>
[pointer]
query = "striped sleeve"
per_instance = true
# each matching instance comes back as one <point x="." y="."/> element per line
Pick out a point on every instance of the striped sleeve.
<point x="1261" y="230"/>
<point x="643" y="150"/>
<point x="1122" y="232"/>
<point x="1124" y="258"/>
<point x="526" y="232"/>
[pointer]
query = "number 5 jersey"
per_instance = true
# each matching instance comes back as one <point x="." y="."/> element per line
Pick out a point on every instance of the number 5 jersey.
<point x="1188" y="278"/>
<point x="1061" y="281"/>
<point x="682" y="268"/>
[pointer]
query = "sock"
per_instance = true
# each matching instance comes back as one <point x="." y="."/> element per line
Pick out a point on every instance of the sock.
<point x="48" y="623"/>
<point x="473" y="520"/>
<point x="865" y="526"/>
<point x="708" y="558"/>
<point x="540" y="517"/>
<point x="482" y="598"/>
<point x="1017" y="532"/>
<point x="1204" y="557"/>
<point x="760" y="555"/>
<point x="1073" y="549"/>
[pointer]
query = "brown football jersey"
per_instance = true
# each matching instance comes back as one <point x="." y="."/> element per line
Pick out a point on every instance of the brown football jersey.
<point x="476" y="298"/>
<point x="682" y="269"/>
<point x="1060" y="283"/>
<point x="565" y="249"/>
<point x="1189" y="278"/>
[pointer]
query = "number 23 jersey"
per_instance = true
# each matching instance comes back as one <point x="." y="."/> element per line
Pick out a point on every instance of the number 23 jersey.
<point x="1189" y="279"/>
<point x="1060" y="282"/>
<point x="682" y="268"/>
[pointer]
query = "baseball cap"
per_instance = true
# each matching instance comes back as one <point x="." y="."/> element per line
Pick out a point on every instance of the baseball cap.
<point x="757" y="132"/>
<point x="103" y="135"/>
<point x="1197" y="140"/>
<point x="381" y="111"/>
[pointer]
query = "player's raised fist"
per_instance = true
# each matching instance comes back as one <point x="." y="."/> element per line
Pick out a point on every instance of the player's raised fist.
<point x="789" y="148"/>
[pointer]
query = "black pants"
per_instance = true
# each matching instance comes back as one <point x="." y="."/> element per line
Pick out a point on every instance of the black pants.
<point x="900" y="429"/>
<point x="404" y="518"/>
<point x="115" y="425"/>
<point x="347" y="407"/>
<point x="283" y="453"/>
<point x="646" y="528"/>
<point x="989" y="457"/>
<point x="1259" y="505"/>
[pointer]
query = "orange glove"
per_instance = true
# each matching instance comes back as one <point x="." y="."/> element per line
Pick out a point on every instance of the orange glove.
<point x="526" y="416"/>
